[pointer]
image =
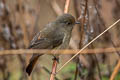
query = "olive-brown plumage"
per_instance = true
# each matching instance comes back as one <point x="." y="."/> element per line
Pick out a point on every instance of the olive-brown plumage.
<point x="56" y="34"/>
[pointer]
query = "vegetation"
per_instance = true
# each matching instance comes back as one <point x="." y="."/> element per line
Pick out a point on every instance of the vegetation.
<point x="20" y="20"/>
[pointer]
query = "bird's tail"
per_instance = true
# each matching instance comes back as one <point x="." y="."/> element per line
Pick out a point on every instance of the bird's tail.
<point x="32" y="63"/>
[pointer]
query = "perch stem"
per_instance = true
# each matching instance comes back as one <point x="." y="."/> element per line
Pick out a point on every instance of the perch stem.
<point x="54" y="67"/>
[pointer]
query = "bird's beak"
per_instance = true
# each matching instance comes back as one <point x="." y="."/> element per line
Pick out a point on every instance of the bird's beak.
<point x="77" y="22"/>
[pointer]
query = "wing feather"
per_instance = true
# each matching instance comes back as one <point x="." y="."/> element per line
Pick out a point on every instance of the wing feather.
<point x="40" y="42"/>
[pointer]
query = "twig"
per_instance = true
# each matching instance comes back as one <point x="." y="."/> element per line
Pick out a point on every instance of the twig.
<point x="56" y="8"/>
<point x="89" y="44"/>
<point x="35" y="23"/>
<point x="48" y="72"/>
<point x="98" y="66"/>
<point x="115" y="47"/>
<point x="82" y="32"/>
<point x="26" y="40"/>
<point x="54" y="67"/>
<point x="77" y="71"/>
<point x="67" y="51"/>
<point x="116" y="70"/>
<point x="66" y="6"/>
<point x="82" y="24"/>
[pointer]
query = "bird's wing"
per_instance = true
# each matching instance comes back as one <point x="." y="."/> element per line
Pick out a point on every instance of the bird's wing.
<point x="41" y="42"/>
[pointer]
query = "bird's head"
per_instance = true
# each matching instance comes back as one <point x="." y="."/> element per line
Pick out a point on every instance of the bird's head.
<point x="67" y="21"/>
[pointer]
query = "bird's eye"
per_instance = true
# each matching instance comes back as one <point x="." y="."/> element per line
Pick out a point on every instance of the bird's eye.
<point x="68" y="23"/>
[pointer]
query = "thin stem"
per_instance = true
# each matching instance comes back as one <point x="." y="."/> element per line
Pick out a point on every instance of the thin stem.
<point x="66" y="6"/>
<point x="54" y="67"/>
<point x="68" y="51"/>
<point x="98" y="67"/>
<point x="76" y="72"/>
<point x="116" y="70"/>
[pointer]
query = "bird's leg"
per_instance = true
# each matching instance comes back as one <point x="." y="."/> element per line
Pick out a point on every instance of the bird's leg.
<point x="56" y="58"/>
<point x="54" y="67"/>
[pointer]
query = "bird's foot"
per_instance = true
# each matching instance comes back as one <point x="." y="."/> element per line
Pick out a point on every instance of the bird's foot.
<point x="56" y="59"/>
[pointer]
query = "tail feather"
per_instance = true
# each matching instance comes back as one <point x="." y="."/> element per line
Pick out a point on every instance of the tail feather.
<point x="31" y="64"/>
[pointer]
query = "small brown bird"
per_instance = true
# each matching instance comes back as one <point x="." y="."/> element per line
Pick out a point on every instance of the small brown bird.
<point x="56" y="34"/>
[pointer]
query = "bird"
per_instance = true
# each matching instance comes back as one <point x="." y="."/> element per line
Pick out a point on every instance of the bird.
<point x="54" y="35"/>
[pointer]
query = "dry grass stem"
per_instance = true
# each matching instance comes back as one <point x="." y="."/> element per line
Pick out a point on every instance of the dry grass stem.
<point x="67" y="51"/>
